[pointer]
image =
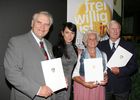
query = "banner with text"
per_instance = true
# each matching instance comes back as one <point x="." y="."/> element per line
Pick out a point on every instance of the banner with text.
<point x="89" y="15"/>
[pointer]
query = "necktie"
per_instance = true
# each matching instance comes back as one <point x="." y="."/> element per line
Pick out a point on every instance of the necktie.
<point x="43" y="50"/>
<point x="113" y="48"/>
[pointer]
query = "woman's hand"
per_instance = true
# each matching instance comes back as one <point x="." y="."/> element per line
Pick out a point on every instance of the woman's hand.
<point x="104" y="82"/>
<point x="90" y="85"/>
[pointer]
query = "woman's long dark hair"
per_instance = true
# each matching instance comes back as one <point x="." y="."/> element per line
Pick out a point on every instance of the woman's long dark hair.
<point x="60" y="48"/>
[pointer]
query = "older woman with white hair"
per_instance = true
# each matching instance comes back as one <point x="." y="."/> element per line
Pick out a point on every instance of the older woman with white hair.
<point x="89" y="90"/>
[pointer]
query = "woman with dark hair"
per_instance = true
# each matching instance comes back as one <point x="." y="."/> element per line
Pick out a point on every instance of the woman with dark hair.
<point x="67" y="50"/>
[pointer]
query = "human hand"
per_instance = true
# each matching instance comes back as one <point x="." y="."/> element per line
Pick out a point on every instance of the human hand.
<point x="90" y="85"/>
<point x="115" y="70"/>
<point x="66" y="82"/>
<point x="79" y="51"/>
<point x="104" y="82"/>
<point x="45" y="91"/>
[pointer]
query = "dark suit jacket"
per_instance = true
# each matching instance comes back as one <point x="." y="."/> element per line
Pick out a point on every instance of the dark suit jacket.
<point x="120" y="83"/>
<point x="23" y="69"/>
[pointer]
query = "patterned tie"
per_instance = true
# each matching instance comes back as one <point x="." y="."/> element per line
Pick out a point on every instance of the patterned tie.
<point x="113" y="48"/>
<point x="43" y="49"/>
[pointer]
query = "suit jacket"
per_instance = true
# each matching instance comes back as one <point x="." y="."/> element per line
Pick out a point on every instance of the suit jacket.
<point x="120" y="83"/>
<point x="23" y="68"/>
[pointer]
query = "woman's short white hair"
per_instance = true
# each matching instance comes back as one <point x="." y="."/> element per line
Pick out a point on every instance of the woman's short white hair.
<point x="85" y="36"/>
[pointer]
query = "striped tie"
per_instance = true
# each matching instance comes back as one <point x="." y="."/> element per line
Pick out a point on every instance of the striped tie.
<point x="113" y="48"/>
<point x="43" y="50"/>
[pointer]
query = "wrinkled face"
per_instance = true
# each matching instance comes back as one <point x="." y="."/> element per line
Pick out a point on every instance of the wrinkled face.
<point x="91" y="41"/>
<point x="68" y="35"/>
<point x="114" y="31"/>
<point x="41" y="25"/>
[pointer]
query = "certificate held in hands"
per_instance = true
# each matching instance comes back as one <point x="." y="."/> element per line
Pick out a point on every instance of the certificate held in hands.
<point x="54" y="74"/>
<point x="93" y="70"/>
<point x="120" y="58"/>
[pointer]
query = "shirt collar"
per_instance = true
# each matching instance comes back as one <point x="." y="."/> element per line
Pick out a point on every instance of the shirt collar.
<point x="116" y="42"/>
<point x="36" y="38"/>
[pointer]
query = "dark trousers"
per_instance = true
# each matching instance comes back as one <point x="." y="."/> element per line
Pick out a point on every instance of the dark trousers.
<point x="121" y="96"/>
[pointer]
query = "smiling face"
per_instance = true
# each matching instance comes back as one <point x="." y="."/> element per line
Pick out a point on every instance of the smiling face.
<point x="68" y="35"/>
<point x="41" y="25"/>
<point x="114" y="30"/>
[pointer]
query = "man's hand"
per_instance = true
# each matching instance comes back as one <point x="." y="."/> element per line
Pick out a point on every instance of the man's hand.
<point x="45" y="91"/>
<point x="115" y="70"/>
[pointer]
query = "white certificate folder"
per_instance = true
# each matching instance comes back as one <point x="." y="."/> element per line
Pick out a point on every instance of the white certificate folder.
<point x="93" y="69"/>
<point x="54" y="74"/>
<point x="120" y="58"/>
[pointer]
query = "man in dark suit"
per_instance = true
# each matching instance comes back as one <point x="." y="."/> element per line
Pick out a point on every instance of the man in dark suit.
<point x="23" y="58"/>
<point x="119" y="83"/>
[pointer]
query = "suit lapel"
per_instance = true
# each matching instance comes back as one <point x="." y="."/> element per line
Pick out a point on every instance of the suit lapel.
<point x="108" y="49"/>
<point x="108" y="46"/>
<point x="35" y="46"/>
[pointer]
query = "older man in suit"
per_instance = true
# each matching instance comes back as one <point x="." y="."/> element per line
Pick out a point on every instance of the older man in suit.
<point x="119" y="83"/>
<point x="23" y="58"/>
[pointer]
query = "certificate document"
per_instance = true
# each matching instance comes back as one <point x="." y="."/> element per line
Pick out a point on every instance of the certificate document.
<point x="54" y="74"/>
<point x="120" y="58"/>
<point x="93" y="70"/>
